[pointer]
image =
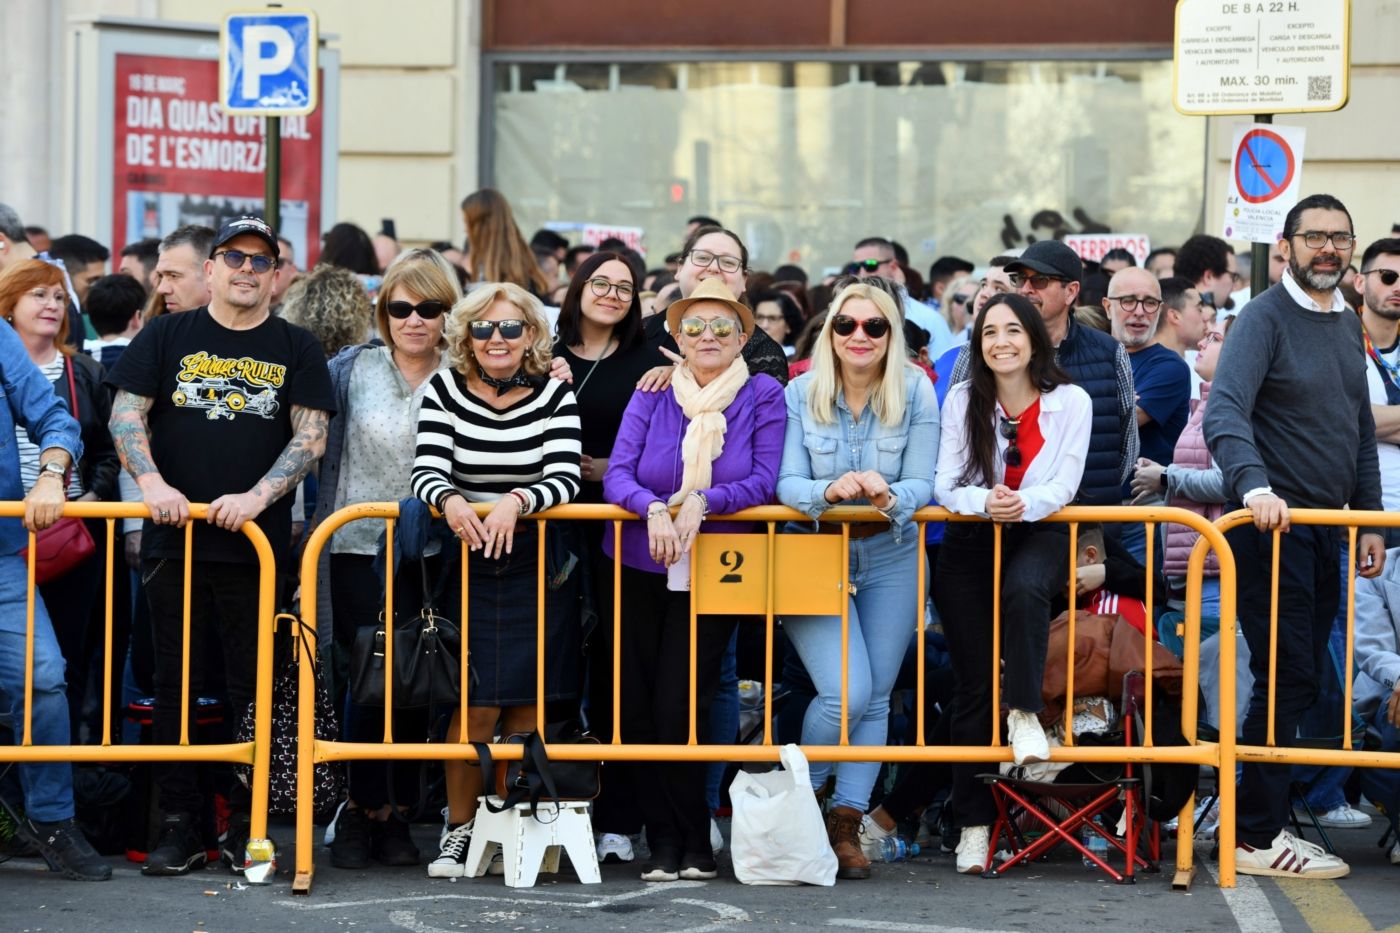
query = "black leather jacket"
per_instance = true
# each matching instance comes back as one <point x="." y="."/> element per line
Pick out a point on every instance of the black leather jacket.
<point x="100" y="464"/>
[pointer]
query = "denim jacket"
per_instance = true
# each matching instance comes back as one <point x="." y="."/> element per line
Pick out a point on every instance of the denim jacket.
<point x="30" y="400"/>
<point x="816" y="454"/>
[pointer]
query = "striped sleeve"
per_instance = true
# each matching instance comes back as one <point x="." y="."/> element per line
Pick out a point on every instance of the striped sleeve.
<point x="431" y="480"/>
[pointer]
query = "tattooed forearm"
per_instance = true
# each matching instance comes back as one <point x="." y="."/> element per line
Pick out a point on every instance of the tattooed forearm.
<point x="302" y="451"/>
<point x="130" y="434"/>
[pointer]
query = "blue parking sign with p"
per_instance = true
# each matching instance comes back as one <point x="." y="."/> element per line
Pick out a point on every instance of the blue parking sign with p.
<point x="267" y="63"/>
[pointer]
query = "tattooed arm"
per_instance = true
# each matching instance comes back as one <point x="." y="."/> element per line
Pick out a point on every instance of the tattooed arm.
<point x="132" y="438"/>
<point x="302" y="451"/>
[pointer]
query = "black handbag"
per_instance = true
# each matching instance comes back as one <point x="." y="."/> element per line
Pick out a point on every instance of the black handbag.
<point x="536" y="779"/>
<point x="427" y="652"/>
<point x="286" y="683"/>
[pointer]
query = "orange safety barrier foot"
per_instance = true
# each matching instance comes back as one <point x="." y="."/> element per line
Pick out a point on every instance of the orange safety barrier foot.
<point x="1181" y="881"/>
<point x="301" y="884"/>
<point x="260" y="865"/>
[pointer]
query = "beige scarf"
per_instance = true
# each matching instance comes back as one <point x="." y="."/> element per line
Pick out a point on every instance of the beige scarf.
<point x="704" y="438"/>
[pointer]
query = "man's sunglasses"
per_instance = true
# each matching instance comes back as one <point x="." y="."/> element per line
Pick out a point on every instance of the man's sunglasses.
<point x="234" y="259"/>
<point x="1038" y="282"/>
<point x="875" y="328"/>
<point x="510" y="330"/>
<point x="721" y="327"/>
<point x="1388" y="276"/>
<point x="427" y="310"/>
<point x="1009" y="429"/>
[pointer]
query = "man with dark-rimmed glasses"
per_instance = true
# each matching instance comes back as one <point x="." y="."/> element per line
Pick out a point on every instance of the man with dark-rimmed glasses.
<point x="1289" y="422"/>
<point x="875" y="256"/>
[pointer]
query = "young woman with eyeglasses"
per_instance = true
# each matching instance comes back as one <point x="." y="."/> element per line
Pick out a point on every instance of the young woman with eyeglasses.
<point x="1015" y="437"/>
<point x="862" y="429"/>
<point x="600" y="337"/>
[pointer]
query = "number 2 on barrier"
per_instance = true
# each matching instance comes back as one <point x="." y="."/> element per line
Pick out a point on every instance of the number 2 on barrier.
<point x="732" y="574"/>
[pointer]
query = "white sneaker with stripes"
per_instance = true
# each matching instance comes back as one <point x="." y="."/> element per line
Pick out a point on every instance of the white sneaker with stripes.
<point x="1289" y="857"/>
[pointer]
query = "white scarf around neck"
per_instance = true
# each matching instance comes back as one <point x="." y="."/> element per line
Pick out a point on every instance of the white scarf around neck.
<point x="704" y="437"/>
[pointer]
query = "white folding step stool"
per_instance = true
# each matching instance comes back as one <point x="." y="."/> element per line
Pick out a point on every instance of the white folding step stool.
<point x="529" y="846"/>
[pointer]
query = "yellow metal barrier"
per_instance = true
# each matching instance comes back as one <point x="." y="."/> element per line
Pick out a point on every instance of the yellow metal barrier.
<point x="765" y="574"/>
<point x="256" y="753"/>
<point x="1272" y="752"/>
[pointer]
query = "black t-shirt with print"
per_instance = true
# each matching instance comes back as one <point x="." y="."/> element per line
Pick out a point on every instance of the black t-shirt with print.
<point x="221" y="417"/>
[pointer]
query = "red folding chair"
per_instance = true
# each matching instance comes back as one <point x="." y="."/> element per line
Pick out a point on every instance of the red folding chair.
<point x="1019" y="801"/>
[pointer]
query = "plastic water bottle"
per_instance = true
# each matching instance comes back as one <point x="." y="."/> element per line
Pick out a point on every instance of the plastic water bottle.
<point x="895" y="849"/>
<point x="1096" y="844"/>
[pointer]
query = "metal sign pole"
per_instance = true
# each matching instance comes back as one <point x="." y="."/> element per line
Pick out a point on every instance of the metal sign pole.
<point x="272" y="174"/>
<point x="1258" y="252"/>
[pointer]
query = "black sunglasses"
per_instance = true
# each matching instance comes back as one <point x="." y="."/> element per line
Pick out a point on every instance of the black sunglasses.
<point x="427" y="310"/>
<point x="234" y="259"/>
<point x="510" y="330"/>
<point x="875" y="327"/>
<point x="1009" y="429"/>
<point x="1388" y="276"/>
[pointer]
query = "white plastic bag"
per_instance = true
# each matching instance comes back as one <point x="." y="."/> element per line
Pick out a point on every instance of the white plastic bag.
<point x="778" y="835"/>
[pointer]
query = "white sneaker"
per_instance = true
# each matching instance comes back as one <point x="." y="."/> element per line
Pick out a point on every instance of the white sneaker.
<point x="972" y="849"/>
<point x="1344" y="817"/>
<point x="871" y="834"/>
<point x="1395" y="853"/>
<point x="1289" y="857"/>
<point x="614" y="847"/>
<point x="452" y="859"/>
<point x="716" y="837"/>
<point x="1027" y="738"/>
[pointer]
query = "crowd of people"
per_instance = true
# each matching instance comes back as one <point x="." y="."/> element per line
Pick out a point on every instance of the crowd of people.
<point x="499" y="379"/>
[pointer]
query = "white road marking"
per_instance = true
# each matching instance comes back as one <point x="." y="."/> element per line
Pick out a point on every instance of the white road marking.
<point x="892" y="927"/>
<point x="728" y="914"/>
<point x="553" y="898"/>
<point x="1252" y="911"/>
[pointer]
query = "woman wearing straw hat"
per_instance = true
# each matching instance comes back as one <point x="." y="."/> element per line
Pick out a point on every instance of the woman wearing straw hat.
<point x="709" y="443"/>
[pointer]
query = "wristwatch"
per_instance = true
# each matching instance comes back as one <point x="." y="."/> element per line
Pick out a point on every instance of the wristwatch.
<point x="52" y="468"/>
<point x="1164" y="478"/>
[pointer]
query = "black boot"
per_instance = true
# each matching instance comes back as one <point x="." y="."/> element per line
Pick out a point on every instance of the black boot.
<point x="179" y="848"/>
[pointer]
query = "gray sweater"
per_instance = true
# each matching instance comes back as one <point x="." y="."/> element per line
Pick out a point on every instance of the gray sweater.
<point x="1289" y="407"/>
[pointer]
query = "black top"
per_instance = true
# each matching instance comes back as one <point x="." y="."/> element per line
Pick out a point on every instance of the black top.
<point x="221" y="416"/>
<point x="603" y="394"/>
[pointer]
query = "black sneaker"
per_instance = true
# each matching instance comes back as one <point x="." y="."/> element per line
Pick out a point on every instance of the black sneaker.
<point x="351" y="847"/>
<point x="66" y="849"/>
<point x="390" y="843"/>
<point x="178" y="849"/>
<point x="698" y="866"/>
<point x="233" y="844"/>
<point x="665" y="865"/>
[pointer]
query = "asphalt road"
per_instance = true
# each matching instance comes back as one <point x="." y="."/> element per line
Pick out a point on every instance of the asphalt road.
<point x="923" y="894"/>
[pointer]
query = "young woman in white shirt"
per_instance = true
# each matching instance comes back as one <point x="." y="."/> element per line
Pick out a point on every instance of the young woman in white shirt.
<point x="1014" y="439"/>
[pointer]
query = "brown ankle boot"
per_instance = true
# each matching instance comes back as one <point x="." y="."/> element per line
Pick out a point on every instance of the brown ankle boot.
<point x="843" y="829"/>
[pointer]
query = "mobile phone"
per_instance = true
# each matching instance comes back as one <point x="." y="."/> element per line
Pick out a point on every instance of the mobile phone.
<point x="386" y="227"/>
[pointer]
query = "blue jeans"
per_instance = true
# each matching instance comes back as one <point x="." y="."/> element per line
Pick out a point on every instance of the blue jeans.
<point x="48" y="787"/>
<point x="1382" y="785"/>
<point x="883" y="614"/>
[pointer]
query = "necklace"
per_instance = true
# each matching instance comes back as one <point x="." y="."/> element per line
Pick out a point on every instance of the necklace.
<point x="1390" y="369"/>
<point x="596" y="360"/>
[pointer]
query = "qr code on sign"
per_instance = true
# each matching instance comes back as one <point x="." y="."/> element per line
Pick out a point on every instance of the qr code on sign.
<point x="1320" y="87"/>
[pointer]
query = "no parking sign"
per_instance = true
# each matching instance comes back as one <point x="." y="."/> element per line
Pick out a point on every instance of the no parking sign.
<point x="1265" y="175"/>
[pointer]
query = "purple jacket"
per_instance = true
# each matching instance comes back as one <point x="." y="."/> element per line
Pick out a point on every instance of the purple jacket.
<point x="646" y="461"/>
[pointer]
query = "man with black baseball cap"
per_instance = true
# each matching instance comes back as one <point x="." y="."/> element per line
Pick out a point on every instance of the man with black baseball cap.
<point x="225" y="404"/>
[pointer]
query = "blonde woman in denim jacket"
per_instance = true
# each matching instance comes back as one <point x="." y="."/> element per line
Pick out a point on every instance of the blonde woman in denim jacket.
<point x="862" y="429"/>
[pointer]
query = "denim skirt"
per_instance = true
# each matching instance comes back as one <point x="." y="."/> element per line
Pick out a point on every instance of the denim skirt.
<point x="502" y="623"/>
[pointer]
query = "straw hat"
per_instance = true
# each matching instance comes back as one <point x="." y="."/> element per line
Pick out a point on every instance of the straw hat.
<point x="712" y="289"/>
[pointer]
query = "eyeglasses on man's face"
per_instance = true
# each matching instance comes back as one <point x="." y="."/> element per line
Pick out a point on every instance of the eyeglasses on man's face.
<point x="235" y="258"/>
<point x="1036" y="281"/>
<point x="1342" y="240"/>
<point x="1388" y="277"/>
<point x="1130" y="303"/>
